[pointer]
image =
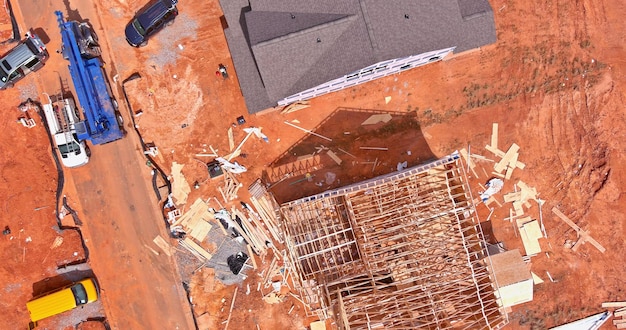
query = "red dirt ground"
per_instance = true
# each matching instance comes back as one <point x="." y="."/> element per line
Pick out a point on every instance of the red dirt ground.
<point x="554" y="81"/>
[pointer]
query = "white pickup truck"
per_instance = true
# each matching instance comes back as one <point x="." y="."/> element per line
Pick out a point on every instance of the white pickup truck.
<point x="62" y="115"/>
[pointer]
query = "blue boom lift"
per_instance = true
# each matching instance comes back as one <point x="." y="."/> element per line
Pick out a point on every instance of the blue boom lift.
<point x="102" y="122"/>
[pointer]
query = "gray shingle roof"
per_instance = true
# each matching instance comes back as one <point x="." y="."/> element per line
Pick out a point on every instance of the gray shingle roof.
<point x="280" y="48"/>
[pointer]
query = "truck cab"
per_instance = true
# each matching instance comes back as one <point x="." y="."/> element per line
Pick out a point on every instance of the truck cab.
<point x="62" y="115"/>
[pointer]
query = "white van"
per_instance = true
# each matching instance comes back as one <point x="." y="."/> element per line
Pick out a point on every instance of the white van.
<point x="62" y="115"/>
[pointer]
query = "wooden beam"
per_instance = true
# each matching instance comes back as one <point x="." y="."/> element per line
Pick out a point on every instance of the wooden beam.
<point x="334" y="157"/>
<point x="494" y="136"/>
<point x="579" y="231"/>
<point x="308" y="131"/>
<point x="231" y="139"/>
<point x="614" y="304"/>
<point x="374" y="148"/>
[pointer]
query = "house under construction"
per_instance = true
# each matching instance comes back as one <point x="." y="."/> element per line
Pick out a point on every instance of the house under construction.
<point x="400" y="251"/>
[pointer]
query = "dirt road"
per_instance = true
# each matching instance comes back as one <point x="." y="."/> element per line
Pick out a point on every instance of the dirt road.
<point x="119" y="211"/>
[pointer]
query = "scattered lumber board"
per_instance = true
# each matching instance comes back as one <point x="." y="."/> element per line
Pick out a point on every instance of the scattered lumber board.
<point x="194" y="248"/>
<point x="584" y="236"/>
<point x="334" y="157"/>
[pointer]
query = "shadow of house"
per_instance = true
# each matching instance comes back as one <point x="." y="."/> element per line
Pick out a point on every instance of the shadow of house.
<point x="356" y="152"/>
<point x="287" y="51"/>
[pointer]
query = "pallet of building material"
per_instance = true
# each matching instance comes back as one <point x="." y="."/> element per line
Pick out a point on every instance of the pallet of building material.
<point x="195" y="249"/>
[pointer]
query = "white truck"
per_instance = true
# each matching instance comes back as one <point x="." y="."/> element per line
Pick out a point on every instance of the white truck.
<point x="62" y="115"/>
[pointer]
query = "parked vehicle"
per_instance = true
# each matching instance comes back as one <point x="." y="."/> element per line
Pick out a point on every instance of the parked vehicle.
<point x="62" y="116"/>
<point x="28" y="56"/>
<point x="63" y="300"/>
<point x="102" y="122"/>
<point x="149" y="20"/>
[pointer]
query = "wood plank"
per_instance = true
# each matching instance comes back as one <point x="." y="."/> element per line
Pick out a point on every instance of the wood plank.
<point x="200" y="230"/>
<point x="613" y="304"/>
<point x="519" y="209"/>
<point x="536" y="278"/>
<point x="615" y="322"/>
<point x="163" y="244"/>
<point x="334" y="157"/>
<point x="494" y="136"/>
<point x="252" y="257"/>
<point x="621" y="326"/>
<point x="468" y="160"/>
<point x="512" y="197"/>
<point x="620" y="313"/>
<point x="198" y="248"/>
<point x="578" y="230"/>
<point x="231" y="139"/>
<point x="527" y="232"/>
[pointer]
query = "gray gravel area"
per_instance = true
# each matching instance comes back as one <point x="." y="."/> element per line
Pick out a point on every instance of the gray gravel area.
<point x="169" y="38"/>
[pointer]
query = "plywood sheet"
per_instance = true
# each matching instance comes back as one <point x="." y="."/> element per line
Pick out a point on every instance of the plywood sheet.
<point x="180" y="186"/>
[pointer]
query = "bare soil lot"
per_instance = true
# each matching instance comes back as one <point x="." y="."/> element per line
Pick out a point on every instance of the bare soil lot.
<point x="554" y="82"/>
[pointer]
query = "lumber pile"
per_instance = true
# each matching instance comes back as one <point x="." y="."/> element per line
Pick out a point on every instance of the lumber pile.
<point x="619" y="315"/>
<point x="253" y="231"/>
<point x="266" y="209"/>
<point x="195" y="249"/>
<point x="583" y="236"/>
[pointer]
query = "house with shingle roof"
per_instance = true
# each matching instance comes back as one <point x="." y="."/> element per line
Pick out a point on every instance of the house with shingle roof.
<point x="288" y="51"/>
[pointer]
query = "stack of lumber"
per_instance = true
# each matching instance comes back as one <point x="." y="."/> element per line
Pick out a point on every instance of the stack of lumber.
<point x="619" y="315"/>
<point x="267" y="212"/>
<point x="195" y="249"/>
<point x="196" y="221"/>
<point x="266" y="208"/>
<point x="252" y="230"/>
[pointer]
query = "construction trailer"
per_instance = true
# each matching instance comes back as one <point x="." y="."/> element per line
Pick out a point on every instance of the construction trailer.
<point x="102" y="121"/>
<point x="400" y="251"/>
